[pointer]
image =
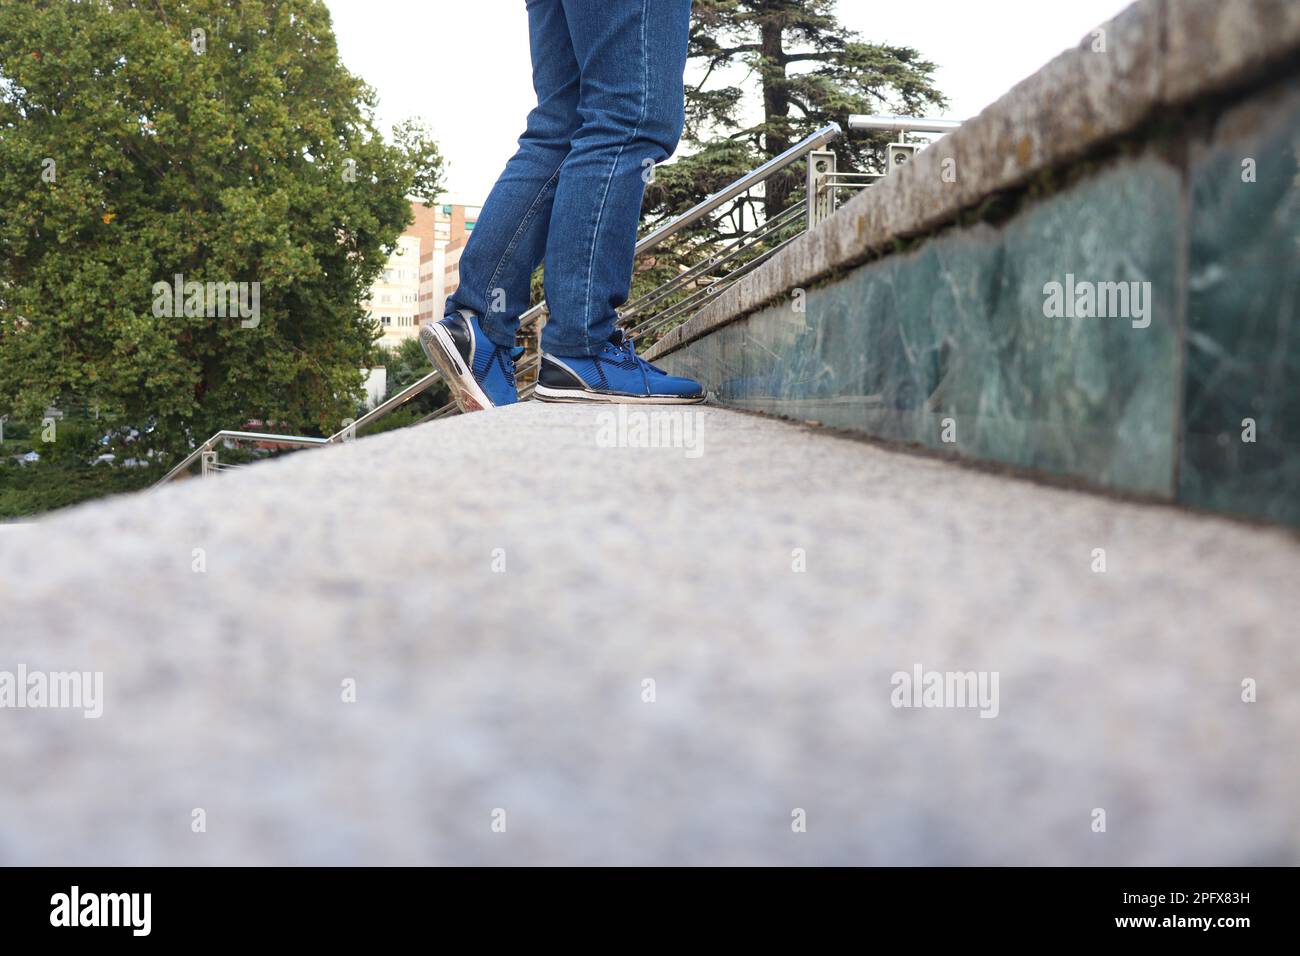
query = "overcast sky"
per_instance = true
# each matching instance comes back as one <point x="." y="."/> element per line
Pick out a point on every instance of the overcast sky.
<point x="462" y="65"/>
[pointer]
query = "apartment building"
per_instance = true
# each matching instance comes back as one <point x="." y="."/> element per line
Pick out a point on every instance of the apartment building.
<point x="422" y="271"/>
<point x="394" y="297"/>
<point x="439" y="266"/>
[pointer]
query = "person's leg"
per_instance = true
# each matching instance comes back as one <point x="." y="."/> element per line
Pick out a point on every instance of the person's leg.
<point x="510" y="236"/>
<point x="632" y="54"/>
<point x="473" y="346"/>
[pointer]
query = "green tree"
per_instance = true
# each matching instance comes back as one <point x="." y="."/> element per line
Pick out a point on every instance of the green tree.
<point x="219" y="140"/>
<point x="803" y="69"/>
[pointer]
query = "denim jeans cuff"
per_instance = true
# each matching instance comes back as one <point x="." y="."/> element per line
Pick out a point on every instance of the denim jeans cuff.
<point x="498" y="331"/>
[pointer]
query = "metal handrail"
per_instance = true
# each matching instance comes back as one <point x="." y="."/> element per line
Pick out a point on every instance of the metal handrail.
<point x="384" y="407"/>
<point x="342" y="435"/>
<point x="650" y="240"/>
<point x="774" y="165"/>
<point x="822" y="181"/>
<point x="268" y="437"/>
<point x="903" y="124"/>
<point x="443" y="410"/>
<point x="740" y="244"/>
<point x="710" y="291"/>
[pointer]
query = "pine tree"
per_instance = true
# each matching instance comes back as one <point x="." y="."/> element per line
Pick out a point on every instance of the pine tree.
<point x="805" y="70"/>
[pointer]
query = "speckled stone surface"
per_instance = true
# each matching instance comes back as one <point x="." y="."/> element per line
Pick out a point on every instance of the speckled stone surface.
<point x="522" y="689"/>
<point x="1212" y="45"/>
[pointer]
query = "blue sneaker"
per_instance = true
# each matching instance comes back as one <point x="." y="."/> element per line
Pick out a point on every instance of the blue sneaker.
<point x="480" y="373"/>
<point x="616" y="374"/>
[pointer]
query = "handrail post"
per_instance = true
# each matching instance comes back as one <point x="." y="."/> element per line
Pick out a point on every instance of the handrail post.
<point x="774" y="165"/>
<point x="821" y="186"/>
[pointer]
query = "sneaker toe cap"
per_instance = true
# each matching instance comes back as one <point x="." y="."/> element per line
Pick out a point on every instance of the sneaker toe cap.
<point x="676" y="385"/>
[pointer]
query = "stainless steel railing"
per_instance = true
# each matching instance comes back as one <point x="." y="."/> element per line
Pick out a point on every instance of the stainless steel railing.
<point x="725" y="262"/>
<point x="903" y="124"/>
<point x="208" y="448"/>
<point x="212" y="464"/>
<point x="826" y="184"/>
<point x="760" y="174"/>
<point x="349" y="430"/>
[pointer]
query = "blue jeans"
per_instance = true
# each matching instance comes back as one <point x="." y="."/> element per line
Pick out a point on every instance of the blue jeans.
<point x="608" y="77"/>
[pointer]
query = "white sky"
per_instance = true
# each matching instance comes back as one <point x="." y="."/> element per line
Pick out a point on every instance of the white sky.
<point x="463" y="67"/>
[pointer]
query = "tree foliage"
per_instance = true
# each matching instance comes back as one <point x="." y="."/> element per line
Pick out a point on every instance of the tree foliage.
<point x="219" y="140"/>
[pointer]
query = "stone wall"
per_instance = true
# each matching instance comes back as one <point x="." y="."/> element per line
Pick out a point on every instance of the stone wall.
<point x="1157" y="162"/>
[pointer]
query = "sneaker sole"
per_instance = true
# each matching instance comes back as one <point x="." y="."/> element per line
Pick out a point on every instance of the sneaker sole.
<point x="440" y="349"/>
<point x="580" y="396"/>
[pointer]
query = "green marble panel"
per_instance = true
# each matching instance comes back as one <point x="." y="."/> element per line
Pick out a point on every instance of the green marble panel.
<point x="1243" y="314"/>
<point x="952" y="341"/>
